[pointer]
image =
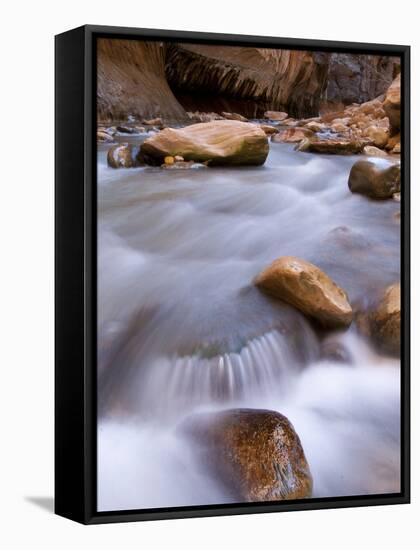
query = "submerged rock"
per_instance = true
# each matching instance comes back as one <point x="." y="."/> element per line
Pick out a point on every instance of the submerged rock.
<point x="367" y="178"/>
<point x="222" y="142"/>
<point x="335" y="351"/>
<point x="291" y="135"/>
<point x="256" y="453"/>
<point x="383" y="323"/>
<point x="308" y="288"/>
<point x="123" y="155"/>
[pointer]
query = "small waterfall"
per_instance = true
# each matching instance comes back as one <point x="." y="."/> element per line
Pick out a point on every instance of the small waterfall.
<point x="265" y="367"/>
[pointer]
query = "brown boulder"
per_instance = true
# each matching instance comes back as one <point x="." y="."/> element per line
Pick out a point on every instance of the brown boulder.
<point x="104" y="137"/>
<point x="378" y="136"/>
<point x="308" y="288"/>
<point x="234" y="116"/>
<point x="291" y="135"/>
<point x="222" y="142"/>
<point x="255" y="453"/>
<point x="268" y="129"/>
<point x="392" y="103"/>
<point x="276" y="115"/>
<point x="367" y="178"/>
<point x="373" y="151"/>
<point x="123" y="155"/>
<point x="334" y="146"/>
<point x="383" y="323"/>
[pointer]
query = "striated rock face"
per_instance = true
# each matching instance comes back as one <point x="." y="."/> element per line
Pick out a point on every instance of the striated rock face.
<point x="247" y="80"/>
<point x="222" y="142"/>
<point x="131" y="81"/>
<point x="308" y="288"/>
<point x="359" y="78"/>
<point x="255" y="453"/>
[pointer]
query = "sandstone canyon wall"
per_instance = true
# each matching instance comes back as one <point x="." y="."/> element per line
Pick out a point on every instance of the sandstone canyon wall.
<point x="247" y="80"/>
<point x="359" y="78"/>
<point x="156" y="79"/>
<point x="132" y="81"/>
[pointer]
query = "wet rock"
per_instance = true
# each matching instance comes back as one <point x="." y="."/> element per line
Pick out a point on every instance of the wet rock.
<point x="316" y="126"/>
<point x="392" y="103"/>
<point x="234" y="116"/>
<point x="367" y="178"/>
<point x="373" y="151"/>
<point x="393" y="141"/>
<point x="396" y="149"/>
<point x="276" y="115"/>
<point x="378" y="136"/>
<point x="223" y="142"/>
<point x="382" y="324"/>
<point x="338" y="127"/>
<point x="334" y="146"/>
<point x="104" y="137"/>
<point x="268" y="129"/>
<point x="291" y="135"/>
<point x="183" y="165"/>
<point x="308" y="288"/>
<point x="153" y="122"/>
<point x="123" y="155"/>
<point x="126" y="130"/>
<point x="255" y="453"/>
<point x="335" y="351"/>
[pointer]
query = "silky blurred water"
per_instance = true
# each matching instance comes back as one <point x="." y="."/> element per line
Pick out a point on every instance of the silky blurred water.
<point x="182" y="328"/>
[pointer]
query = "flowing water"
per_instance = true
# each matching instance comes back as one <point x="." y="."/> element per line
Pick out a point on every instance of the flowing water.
<point x="181" y="328"/>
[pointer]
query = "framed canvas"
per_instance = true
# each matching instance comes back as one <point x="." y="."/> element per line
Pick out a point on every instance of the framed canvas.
<point x="232" y="274"/>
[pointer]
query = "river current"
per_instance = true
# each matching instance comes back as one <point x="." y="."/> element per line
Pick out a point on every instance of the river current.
<point x="181" y="328"/>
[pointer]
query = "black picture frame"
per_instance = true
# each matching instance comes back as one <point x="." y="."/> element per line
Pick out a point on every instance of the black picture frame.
<point x="75" y="275"/>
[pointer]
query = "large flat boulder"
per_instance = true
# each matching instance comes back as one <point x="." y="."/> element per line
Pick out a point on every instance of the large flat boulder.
<point x="307" y="288"/>
<point x="255" y="453"/>
<point x="221" y="142"/>
<point x="375" y="181"/>
<point x="332" y="146"/>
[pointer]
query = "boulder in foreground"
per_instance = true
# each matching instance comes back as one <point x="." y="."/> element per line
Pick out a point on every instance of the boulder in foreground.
<point x="221" y="142"/>
<point x="370" y="179"/>
<point x="307" y="288"/>
<point x="255" y="453"/>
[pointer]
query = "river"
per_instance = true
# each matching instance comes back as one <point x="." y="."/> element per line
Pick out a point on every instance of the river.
<point x="181" y="327"/>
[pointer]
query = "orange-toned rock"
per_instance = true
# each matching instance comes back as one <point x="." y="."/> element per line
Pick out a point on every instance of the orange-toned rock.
<point x="367" y="178"/>
<point x="392" y="103"/>
<point x="234" y="116"/>
<point x="222" y="142"/>
<point x="268" y="129"/>
<point x="255" y="453"/>
<point x="291" y="135"/>
<point x="335" y="146"/>
<point x="383" y="323"/>
<point x="276" y="115"/>
<point x="308" y="288"/>
<point x="378" y="136"/>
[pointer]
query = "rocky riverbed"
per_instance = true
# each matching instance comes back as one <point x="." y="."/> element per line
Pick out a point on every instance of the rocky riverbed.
<point x="249" y="283"/>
